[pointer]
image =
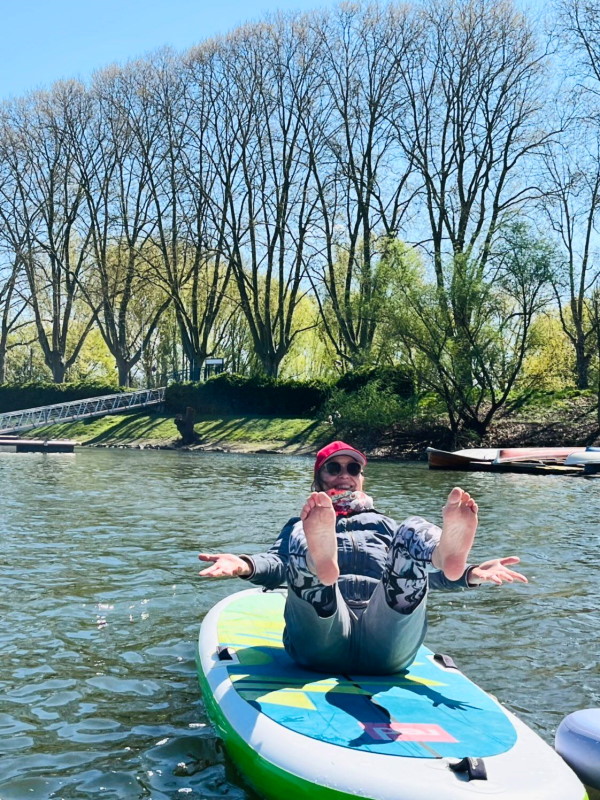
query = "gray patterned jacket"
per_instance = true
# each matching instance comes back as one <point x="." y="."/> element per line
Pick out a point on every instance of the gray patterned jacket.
<point x="363" y="541"/>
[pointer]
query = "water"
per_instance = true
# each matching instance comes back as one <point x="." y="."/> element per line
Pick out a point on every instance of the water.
<point x="100" y="606"/>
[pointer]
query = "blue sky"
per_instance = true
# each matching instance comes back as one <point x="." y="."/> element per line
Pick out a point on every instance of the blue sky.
<point x="42" y="41"/>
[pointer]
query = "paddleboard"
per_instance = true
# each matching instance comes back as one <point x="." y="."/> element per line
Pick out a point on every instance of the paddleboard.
<point x="427" y="732"/>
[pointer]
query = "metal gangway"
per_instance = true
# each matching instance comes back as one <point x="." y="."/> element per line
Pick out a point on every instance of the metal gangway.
<point x="28" y="418"/>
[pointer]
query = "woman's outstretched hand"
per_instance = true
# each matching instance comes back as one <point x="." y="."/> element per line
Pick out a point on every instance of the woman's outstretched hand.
<point x="496" y="571"/>
<point x="225" y="565"/>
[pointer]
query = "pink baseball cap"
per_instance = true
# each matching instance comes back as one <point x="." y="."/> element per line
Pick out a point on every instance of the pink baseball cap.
<point x="338" y="449"/>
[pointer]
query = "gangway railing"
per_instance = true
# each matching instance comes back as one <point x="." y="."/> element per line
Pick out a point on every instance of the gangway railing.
<point x="28" y="418"/>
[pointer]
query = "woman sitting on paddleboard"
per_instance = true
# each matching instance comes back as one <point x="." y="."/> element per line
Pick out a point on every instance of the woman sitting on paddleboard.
<point x="357" y="580"/>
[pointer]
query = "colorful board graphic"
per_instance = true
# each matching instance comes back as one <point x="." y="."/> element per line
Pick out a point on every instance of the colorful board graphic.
<point x="426" y="712"/>
<point x="303" y="735"/>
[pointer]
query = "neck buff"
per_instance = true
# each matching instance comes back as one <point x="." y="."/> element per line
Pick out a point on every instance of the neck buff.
<point x="346" y="502"/>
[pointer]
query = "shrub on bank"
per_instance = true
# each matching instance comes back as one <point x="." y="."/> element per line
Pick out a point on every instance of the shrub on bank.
<point x="15" y="397"/>
<point x="395" y="379"/>
<point x="365" y="415"/>
<point x="236" y="394"/>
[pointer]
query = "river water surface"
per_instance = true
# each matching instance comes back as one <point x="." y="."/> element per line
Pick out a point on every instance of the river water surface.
<point x="100" y="606"/>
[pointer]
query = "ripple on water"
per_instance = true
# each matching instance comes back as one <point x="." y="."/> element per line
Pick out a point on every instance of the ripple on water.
<point x="123" y="686"/>
<point x="101" y="606"/>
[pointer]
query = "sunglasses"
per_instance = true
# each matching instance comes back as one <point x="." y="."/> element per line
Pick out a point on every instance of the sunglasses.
<point x="335" y="468"/>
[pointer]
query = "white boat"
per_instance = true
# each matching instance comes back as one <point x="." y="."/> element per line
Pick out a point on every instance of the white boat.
<point x="590" y="456"/>
<point x="507" y="459"/>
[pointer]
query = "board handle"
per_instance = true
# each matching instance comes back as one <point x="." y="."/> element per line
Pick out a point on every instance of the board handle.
<point x="474" y="767"/>
<point x="446" y="660"/>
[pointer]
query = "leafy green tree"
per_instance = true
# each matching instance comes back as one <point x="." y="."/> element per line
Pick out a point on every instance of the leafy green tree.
<point x="94" y="362"/>
<point x="497" y="335"/>
<point x="311" y="354"/>
<point x="12" y="309"/>
<point x="353" y="324"/>
<point x="25" y="360"/>
<point x="549" y="364"/>
<point x="364" y="415"/>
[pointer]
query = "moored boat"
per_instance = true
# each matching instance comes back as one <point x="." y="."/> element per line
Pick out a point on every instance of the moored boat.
<point x="549" y="460"/>
<point x="589" y="457"/>
<point x="461" y="459"/>
<point x="548" y="455"/>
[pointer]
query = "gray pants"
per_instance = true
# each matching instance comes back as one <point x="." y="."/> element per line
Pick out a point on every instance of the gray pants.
<point x="324" y="633"/>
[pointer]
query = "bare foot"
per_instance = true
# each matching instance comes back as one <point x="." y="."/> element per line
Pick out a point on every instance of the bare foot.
<point x="458" y="532"/>
<point x="318" y="520"/>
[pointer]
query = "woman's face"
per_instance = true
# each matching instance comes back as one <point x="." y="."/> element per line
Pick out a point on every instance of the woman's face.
<point x="338" y="477"/>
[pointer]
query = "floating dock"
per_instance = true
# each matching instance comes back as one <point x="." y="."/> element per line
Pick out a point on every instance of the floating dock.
<point x="13" y="444"/>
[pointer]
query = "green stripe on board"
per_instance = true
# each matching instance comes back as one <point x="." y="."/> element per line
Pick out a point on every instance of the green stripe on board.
<point x="268" y="780"/>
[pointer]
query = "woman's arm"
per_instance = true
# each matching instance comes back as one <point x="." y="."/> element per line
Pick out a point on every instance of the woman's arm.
<point x="267" y="569"/>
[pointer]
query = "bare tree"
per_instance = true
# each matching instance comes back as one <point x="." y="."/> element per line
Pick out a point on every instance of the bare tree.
<point x="166" y="114"/>
<point x="44" y="218"/>
<point x="475" y="125"/>
<point x="571" y="206"/>
<point x="264" y="85"/>
<point x="13" y="298"/>
<point x="115" y="183"/>
<point x="573" y="170"/>
<point x="360" y="171"/>
<point x="579" y="22"/>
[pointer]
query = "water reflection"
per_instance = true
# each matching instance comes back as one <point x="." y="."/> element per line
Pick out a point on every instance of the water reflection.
<point x="101" y="606"/>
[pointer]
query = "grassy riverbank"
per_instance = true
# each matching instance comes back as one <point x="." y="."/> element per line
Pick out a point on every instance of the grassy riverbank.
<point x="235" y="434"/>
<point x="561" y="421"/>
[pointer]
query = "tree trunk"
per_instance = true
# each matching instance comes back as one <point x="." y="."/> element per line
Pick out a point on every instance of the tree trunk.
<point x="124" y="369"/>
<point x="195" y="369"/>
<point x="3" y="348"/>
<point x="478" y="426"/>
<point x="185" y="426"/>
<point x="57" y="366"/>
<point x="582" y="360"/>
<point x="270" y="362"/>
